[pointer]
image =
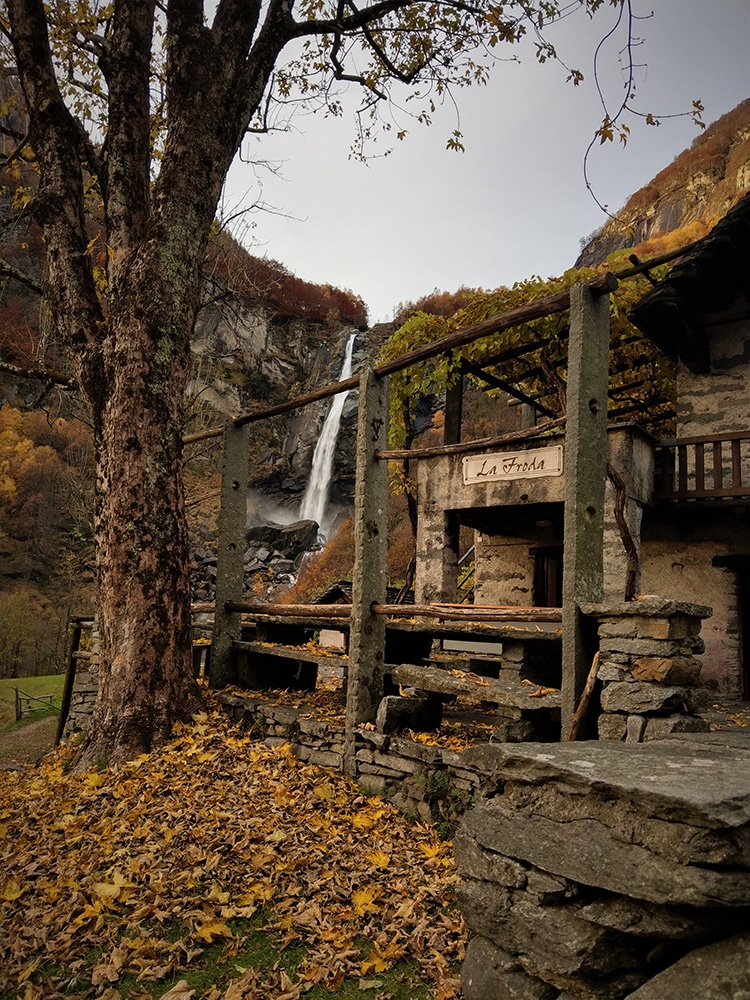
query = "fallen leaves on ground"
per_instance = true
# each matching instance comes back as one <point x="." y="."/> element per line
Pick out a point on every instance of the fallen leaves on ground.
<point x="130" y="877"/>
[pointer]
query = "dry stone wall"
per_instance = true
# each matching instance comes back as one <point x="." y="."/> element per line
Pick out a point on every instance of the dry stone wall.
<point x="649" y="668"/>
<point x="428" y="782"/>
<point x="604" y="871"/>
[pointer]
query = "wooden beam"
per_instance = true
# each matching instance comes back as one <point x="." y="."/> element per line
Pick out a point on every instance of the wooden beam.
<point x="468" y="613"/>
<point x="481" y="444"/>
<point x="454" y="404"/>
<point x="289" y="610"/>
<point x="498" y="383"/>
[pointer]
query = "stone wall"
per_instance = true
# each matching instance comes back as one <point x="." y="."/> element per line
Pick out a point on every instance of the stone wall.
<point x="649" y="669"/>
<point x="504" y="568"/>
<point x="678" y="550"/>
<point x="717" y="402"/>
<point x="85" y="687"/>
<point x="604" y="871"/>
<point x="428" y="782"/>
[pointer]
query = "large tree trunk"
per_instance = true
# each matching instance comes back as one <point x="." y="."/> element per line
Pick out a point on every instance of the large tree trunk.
<point x="128" y="327"/>
<point x="142" y="557"/>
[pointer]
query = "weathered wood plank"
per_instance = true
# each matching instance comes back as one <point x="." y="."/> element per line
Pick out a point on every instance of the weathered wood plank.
<point x="486" y="689"/>
<point x="292" y="653"/>
<point x="449" y="612"/>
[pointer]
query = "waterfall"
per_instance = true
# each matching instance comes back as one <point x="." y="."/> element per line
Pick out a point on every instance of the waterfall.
<point x="316" y="495"/>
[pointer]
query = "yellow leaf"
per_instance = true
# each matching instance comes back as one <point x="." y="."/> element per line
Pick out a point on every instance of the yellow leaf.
<point x="210" y="929"/>
<point x="361" y="821"/>
<point x="363" y="900"/>
<point x="12" y="891"/>
<point x="379" y="859"/>
<point x="94" y="778"/>
<point x="324" y="792"/>
<point x="430" y="850"/>
<point x="217" y="894"/>
<point x="105" y="890"/>
<point x="375" y="964"/>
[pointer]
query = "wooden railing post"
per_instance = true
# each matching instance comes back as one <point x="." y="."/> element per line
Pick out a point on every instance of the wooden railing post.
<point x="367" y="634"/>
<point x="70" y="676"/>
<point x="231" y="552"/>
<point x="585" y="475"/>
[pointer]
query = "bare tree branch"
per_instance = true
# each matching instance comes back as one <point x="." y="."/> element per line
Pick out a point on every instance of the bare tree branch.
<point x="48" y="375"/>
<point x="13" y="272"/>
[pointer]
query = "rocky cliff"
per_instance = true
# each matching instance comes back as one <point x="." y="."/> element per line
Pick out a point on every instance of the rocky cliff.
<point x="699" y="186"/>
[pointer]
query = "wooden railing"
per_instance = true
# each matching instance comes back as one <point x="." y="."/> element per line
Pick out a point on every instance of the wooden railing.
<point x="698" y="468"/>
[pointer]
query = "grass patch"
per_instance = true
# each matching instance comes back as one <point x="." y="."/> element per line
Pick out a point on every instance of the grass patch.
<point x="34" y="686"/>
<point x="49" y="684"/>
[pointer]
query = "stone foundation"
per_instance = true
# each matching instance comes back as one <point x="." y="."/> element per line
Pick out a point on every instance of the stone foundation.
<point x="601" y="872"/>
<point x="649" y="669"/>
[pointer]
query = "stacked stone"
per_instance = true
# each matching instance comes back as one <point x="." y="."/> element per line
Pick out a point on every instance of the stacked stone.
<point x="605" y="871"/>
<point x="649" y="668"/>
<point x="85" y="689"/>
<point x="312" y="741"/>
<point x="426" y="781"/>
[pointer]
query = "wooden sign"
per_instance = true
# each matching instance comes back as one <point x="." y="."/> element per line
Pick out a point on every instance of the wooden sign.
<point x="514" y="465"/>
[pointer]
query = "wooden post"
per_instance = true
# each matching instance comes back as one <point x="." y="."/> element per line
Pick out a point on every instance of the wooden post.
<point x="585" y="476"/>
<point x="454" y="402"/>
<point x="70" y="676"/>
<point x="231" y="552"/>
<point x="367" y="634"/>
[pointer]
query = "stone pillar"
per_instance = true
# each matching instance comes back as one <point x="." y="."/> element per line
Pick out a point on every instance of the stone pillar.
<point x="585" y="476"/>
<point x="231" y="551"/>
<point x="367" y="633"/>
<point x="649" y="668"/>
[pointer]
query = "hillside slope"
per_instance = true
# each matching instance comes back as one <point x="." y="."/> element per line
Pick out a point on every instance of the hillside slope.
<point x="700" y="185"/>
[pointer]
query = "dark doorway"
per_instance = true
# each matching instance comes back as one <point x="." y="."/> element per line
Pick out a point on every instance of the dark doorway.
<point x="548" y="575"/>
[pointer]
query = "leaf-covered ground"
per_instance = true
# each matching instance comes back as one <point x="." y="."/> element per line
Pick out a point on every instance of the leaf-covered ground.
<point x="218" y="868"/>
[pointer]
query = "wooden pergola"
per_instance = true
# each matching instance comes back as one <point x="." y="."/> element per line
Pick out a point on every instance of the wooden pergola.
<point x="593" y="392"/>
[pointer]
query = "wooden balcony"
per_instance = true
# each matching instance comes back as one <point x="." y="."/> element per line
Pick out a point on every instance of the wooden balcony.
<point x="715" y="467"/>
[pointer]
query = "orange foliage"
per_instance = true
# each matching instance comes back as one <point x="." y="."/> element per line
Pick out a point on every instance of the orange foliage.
<point x="663" y="243"/>
<point x="322" y="569"/>
<point x="260" y="281"/>
<point x="436" y="303"/>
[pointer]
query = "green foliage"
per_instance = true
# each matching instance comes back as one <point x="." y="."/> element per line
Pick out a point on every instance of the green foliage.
<point x="540" y="371"/>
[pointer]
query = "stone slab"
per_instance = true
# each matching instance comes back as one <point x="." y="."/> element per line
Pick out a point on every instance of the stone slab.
<point x="489" y="973"/>
<point x="637" y="697"/>
<point x="667" y="669"/>
<point x="718" y="971"/>
<point x="648" y="608"/>
<point x="588" y="852"/>
<point x="659" y="727"/>
<point x="691" y="779"/>
<point x="650" y="920"/>
<point x="475" y="862"/>
<point x="612" y="726"/>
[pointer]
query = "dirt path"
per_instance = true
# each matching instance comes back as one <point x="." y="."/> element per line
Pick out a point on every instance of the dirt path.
<point x="27" y="745"/>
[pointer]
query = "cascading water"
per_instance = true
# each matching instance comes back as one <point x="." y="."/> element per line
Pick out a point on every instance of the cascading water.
<point x="316" y="495"/>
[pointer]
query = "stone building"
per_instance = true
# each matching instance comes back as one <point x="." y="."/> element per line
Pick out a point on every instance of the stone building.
<point x="680" y="506"/>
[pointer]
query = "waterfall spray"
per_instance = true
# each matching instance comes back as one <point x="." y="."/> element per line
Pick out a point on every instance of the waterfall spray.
<point x="316" y="495"/>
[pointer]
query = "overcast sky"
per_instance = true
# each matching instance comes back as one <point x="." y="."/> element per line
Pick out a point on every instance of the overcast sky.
<point x="514" y="203"/>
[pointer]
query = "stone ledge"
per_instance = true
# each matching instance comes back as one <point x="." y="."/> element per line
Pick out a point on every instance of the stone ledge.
<point x="648" y="608"/>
